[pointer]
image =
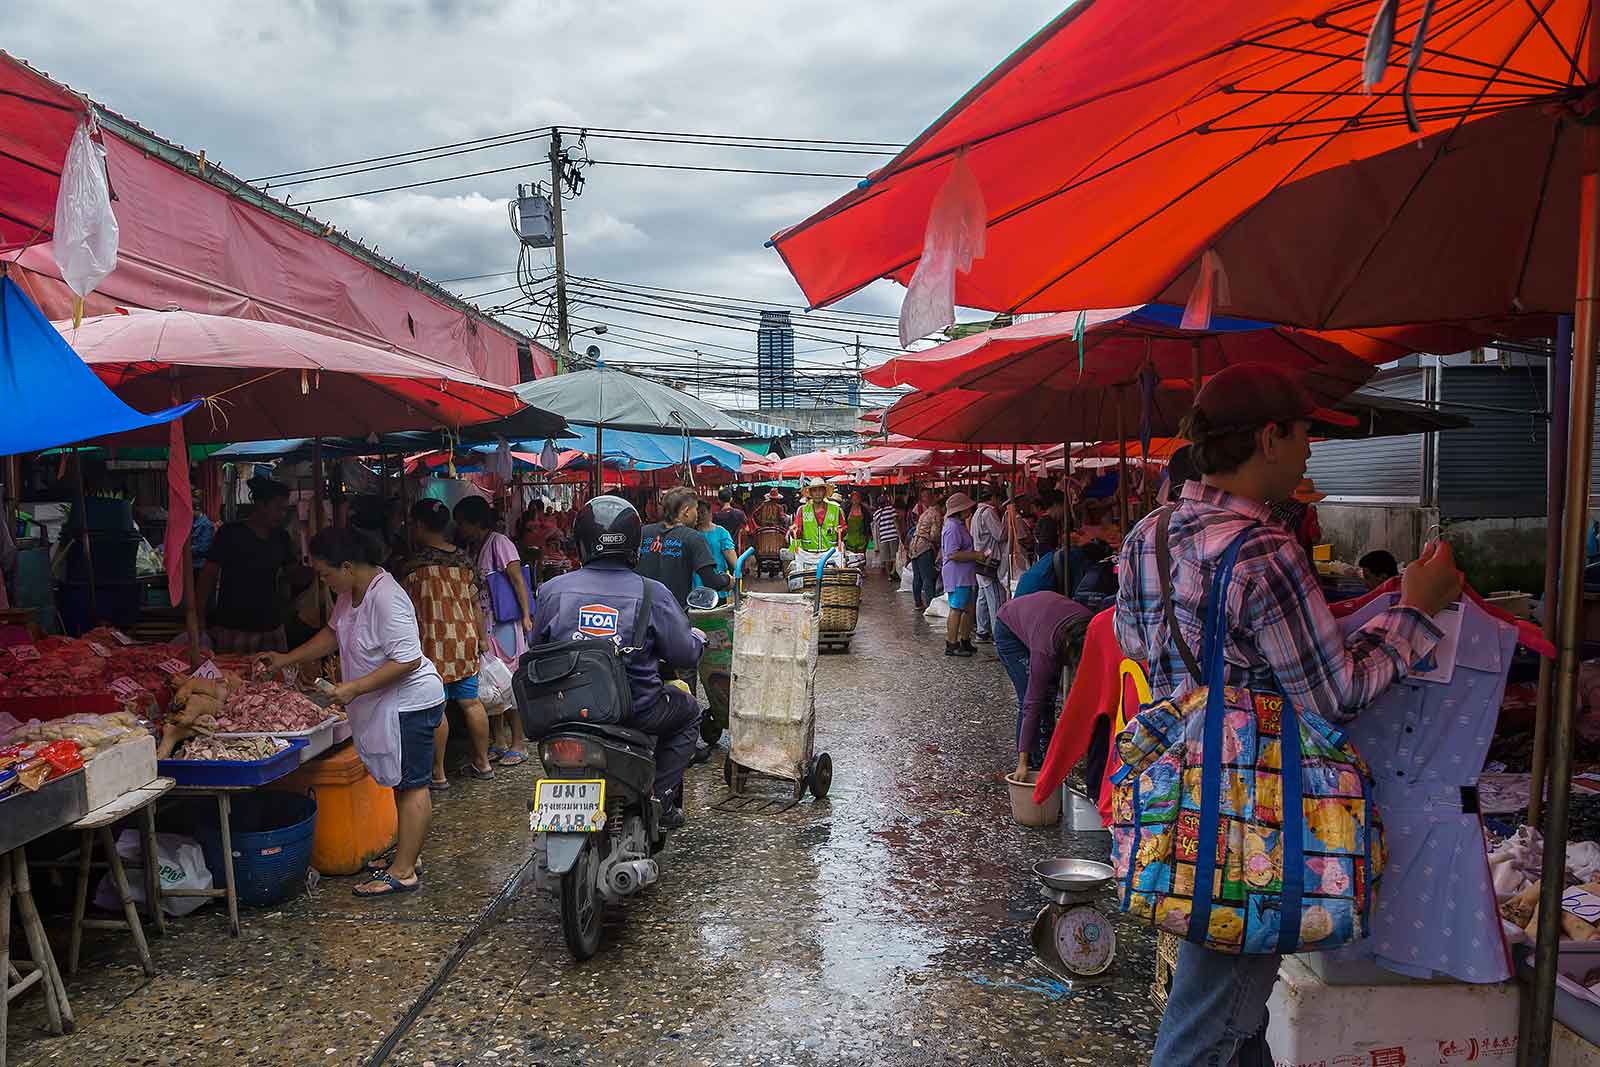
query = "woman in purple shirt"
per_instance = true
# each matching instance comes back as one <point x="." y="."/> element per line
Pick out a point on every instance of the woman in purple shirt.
<point x="960" y="575"/>
<point x="1032" y="635"/>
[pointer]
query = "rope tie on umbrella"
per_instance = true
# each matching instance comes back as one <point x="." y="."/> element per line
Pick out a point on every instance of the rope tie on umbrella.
<point x="1412" y="64"/>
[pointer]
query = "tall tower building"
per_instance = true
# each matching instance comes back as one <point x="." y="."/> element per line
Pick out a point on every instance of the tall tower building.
<point x="775" y="361"/>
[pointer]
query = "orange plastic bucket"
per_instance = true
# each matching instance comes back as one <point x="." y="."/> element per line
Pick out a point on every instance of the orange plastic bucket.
<point x="355" y="815"/>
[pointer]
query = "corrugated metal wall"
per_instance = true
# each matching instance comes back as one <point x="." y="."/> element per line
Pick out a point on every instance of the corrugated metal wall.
<point x="1495" y="467"/>
<point x="1381" y="468"/>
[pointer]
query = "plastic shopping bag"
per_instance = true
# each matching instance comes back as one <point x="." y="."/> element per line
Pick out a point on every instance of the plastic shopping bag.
<point x="181" y="865"/>
<point x="494" y="682"/>
<point x="85" y="239"/>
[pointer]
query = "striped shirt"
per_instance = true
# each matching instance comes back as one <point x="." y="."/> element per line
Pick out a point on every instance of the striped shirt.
<point x="885" y="524"/>
<point x="1280" y="635"/>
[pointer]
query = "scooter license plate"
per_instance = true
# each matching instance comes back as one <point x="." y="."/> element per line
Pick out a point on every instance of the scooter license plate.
<point x="568" y="806"/>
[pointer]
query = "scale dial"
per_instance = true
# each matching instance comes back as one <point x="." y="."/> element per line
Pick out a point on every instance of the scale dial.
<point x="1084" y="939"/>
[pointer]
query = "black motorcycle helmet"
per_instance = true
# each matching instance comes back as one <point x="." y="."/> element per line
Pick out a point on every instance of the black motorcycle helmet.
<point x="608" y="526"/>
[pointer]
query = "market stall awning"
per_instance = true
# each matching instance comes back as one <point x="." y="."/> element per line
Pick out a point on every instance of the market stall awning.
<point x="1107" y="156"/>
<point x="616" y="400"/>
<point x="263" y="380"/>
<point x="654" y="451"/>
<point x="37" y="120"/>
<point x="49" y="396"/>
<point x="1094" y="348"/>
<point x="812" y="465"/>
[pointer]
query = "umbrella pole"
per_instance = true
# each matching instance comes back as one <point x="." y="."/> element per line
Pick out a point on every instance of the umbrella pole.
<point x="83" y="518"/>
<point x="1555" y="482"/>
<point x="316" y="485"/>
<point x="1068" y="517"/>
<point x="1534" y="1047"/>
<point x="599" y="461"/>
<point x="1122" y="465"/>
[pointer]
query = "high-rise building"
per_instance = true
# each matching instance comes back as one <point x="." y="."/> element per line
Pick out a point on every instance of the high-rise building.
<point x="775" y="361"/>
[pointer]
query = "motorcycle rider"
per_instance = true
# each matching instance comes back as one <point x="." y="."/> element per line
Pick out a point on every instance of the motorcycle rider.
<point x="602" y="599"/>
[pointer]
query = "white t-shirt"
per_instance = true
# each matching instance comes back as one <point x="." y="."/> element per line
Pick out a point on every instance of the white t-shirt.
<point x="383" y="627"/>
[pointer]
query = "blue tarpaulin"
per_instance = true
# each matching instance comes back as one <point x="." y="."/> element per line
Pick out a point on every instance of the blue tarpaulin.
<point x="641" y="451"/>
<point x="49" y="395"/>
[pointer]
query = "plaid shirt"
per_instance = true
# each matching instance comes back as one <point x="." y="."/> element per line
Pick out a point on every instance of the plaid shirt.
<point x="1281" y="634"/>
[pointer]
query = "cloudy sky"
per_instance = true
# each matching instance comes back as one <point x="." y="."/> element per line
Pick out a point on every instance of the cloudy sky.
<point x="269" y="86"/>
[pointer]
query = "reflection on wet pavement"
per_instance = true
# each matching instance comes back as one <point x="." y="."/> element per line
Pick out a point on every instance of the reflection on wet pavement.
<point x="885" y="925"/>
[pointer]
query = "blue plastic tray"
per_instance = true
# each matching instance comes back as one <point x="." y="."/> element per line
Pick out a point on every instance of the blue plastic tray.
<point x="238" y="773"/>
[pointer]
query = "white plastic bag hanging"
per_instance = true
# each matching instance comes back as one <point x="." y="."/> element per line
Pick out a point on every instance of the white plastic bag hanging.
<point x="85" y="240"/>
<point x="1210" y="289"/>
<point x="953" y="241"/>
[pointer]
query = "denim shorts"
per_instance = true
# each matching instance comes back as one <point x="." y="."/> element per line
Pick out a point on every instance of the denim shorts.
<point x="416" y="746"/>
<point x="961" y="599"/>
<point x="462" y="689"/>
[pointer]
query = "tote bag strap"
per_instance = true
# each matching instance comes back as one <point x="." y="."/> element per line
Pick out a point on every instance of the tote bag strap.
<point x="1164" y="566"/>
<point x="1216" y="634"/>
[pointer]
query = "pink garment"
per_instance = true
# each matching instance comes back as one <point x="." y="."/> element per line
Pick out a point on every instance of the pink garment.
<point x="497" y="554"/>
<point x="180" y="511"/>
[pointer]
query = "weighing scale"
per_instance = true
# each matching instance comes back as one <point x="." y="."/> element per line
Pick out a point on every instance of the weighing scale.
<point x="1071" y="936"/>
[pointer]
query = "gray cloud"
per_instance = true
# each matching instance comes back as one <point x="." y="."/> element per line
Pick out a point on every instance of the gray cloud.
<point x="267" y="87"/>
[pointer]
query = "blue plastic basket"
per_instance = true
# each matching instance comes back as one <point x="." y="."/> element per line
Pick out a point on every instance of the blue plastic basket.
<point x="272" y="832"/>
<point x="233" y="772"/>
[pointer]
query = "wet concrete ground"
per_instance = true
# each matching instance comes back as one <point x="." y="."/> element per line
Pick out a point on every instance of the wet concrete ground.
<point x="886" y="925"/>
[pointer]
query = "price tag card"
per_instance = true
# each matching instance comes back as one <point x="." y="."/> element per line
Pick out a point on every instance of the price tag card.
<point x="173" y="666"/>
<point x="100" y="650"/>
<point x="121" y="638"/>
<point x="24" y="653"/>
<point x="208" y="670"/>
<point x="126" y="687"/>
<point x="1582" y="903"/>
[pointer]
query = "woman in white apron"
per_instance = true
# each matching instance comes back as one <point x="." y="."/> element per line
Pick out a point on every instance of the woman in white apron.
<point x="391" y="691"/>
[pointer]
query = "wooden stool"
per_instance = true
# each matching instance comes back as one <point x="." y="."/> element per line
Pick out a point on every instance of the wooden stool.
<point x="97" y="825"/>
<point x="42" y="971"/>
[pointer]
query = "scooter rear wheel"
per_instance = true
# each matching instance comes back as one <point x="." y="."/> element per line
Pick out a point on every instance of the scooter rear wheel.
<point x="581" y="905"/>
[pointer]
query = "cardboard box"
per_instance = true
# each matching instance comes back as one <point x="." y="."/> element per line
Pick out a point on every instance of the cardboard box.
<point x="1314" y="1024"/>
<point x="120" y="769"/>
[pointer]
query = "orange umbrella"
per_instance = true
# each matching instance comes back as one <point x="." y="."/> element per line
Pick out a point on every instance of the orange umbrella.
<point x="1120" y="145"/>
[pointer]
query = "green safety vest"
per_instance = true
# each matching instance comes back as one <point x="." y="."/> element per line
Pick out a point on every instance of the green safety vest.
<point x="813" y="539"/>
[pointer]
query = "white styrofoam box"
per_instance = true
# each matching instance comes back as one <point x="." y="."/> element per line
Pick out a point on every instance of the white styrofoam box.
<point x="1313" y="1024"/>
<point x="119" y="769"/>
<point x="772" y="701"/>
<point x="1350" y="972"/>
<point x="1570" y="1049"/>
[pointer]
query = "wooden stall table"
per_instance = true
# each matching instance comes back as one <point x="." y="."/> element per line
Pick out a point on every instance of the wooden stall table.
<point x="97" y="824"/>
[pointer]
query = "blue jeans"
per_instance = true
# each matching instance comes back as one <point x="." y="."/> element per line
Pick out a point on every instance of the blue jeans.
<point x="1014" y="657"/>
<point x="924" y="578"/>
<point x="1217" y="1010"/>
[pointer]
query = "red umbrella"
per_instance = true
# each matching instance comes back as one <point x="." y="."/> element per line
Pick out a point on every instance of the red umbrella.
<point x="1109" y="154"/>
<point x="1037" y="416"/>
<point x="266" y="380"/>
<point x="1100" y="348"/>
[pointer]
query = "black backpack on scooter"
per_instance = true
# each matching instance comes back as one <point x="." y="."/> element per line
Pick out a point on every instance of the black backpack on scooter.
<point x="576" y="681"/>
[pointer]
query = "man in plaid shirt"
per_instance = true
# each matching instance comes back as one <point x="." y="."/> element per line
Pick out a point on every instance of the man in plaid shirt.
<point x="1250" y="432"/>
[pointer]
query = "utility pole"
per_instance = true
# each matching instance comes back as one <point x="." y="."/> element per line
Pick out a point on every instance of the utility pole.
<point x="857" y="397"/>
<point x="564" y="340"/>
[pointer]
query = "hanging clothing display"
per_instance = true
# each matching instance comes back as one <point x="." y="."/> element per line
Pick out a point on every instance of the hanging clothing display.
<point x="1426" y="738"/>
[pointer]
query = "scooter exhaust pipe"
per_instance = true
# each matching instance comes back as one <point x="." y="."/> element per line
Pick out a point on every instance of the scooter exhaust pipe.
<point x="631" y="876"/>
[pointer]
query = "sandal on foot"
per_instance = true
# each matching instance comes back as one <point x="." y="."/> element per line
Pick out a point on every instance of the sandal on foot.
<point x="511" y="757"/>
<point x="495" y="752"/>
<point x="392" y="886"/>
<point x="381" y="864"/>
<point x="439" y="785"/>
<point x="472" y="772"/>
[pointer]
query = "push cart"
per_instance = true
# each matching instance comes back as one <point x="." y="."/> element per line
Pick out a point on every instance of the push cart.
<point x="770" y="541"/>
<point x="772" y="701"/>
<point x="716" y="665"/>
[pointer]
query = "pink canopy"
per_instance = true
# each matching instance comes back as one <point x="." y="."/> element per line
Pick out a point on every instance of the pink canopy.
<point x="270" y="381"/>
<point x="812" y="465"/>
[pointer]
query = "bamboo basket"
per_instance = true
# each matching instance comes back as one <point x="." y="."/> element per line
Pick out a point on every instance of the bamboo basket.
<point x="841" y="599"/>
<point x="770" y="541"/>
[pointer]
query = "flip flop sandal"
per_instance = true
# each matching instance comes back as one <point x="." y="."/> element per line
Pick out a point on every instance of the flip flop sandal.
<point x="472" y="772"/>
<point x="439" y="787"/>
<point x="495" y="752"/>
<point x="512" y="757"/>
<point x="381" y="864"/>
<point x="392" y="886"/>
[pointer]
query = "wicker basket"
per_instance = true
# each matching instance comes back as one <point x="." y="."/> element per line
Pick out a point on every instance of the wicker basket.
<point x="770" y="541"/>
<point x="841" y="599"/>
<point x="1166" y="963"/>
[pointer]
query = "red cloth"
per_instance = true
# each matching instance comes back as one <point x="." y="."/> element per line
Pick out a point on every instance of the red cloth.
<point x="1106" y="684"/>
<point x="1528" y="635"/>
<point x="180" y="510"/>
